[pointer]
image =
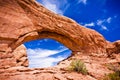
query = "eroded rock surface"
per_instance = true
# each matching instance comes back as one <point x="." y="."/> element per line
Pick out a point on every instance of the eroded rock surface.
<point x="17" y="58"/>
<point x="114" y="47"/>
<point x="20" y="55"/>
<point x="96" y="67"/>
<point x="25" y="20"/>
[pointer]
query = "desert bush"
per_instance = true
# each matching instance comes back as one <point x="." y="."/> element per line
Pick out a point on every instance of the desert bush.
<point x="112" y="76"/>
<point x="78" y="66"/>
<point x="116" y="74"/>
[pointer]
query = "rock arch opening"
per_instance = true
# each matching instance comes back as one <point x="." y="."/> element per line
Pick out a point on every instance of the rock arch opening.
<point x="32" y="21"/>
<point x="42" y="34"/>
<point x="46" y="52"/>
<point x="72" y="43"/>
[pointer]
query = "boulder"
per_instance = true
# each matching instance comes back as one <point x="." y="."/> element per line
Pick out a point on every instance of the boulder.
<point x="113" y="48"/>
<point x="20" y="54"/>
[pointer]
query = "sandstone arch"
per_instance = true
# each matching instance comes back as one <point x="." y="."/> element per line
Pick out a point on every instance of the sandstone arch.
<point x="27" y="20"/>
<point x="46" y="34"/>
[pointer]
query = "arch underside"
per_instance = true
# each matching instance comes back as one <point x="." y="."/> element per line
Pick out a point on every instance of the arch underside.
<point x="69" y="43"/>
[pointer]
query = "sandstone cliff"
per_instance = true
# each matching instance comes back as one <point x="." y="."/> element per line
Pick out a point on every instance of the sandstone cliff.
<point x="20" y="55"/>
<point x="25" y="20"/>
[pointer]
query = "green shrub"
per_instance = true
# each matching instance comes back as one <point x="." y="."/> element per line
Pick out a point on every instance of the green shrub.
<point x="78" y="66"/>
<point x="112" y="76"/>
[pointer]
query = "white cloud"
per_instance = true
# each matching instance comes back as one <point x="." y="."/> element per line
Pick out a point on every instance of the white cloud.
<point x="100" y="22"/>
<point x="103" y="22"/>
<point x="104" y="27"/>
<point x="45" y="62"/>
<point x="82" y="1"/>
<point x="39" y="53"/>
<point x="108" y="19"/>
<point x="41" y="57"/>
<point x="89" y="24"/>
<point x="52" y="6"/>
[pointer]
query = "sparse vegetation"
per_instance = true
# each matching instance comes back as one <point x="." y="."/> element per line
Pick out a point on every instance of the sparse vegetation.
<point x="78" y="66"/>
<point x="112" y="76"/>
<point x="115" y="75"/>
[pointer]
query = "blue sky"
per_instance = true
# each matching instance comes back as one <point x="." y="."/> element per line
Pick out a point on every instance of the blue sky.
<point x="100" y="15"/>
<point x="45" y="52"/>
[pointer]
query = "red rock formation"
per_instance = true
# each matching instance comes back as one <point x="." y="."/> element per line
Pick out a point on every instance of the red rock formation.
<point x="114" y="47"/>
<point x="96" y="67"/>
<point x="25" y="20"/>
<point x="17" y="58"/>
<point x="20" y="56"/>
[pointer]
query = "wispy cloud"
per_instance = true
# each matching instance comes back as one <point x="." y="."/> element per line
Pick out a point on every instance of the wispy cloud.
<point x="41" y="57"/>
<point x="103" y="22"/>
<point x="89" y="24"/>
<point x="52" y="6"/>
<point x="108" y="19"/>
<point x="82" y="1"/>
<point x="44" y="62"/>
<point x="104" y="27"/>
<point x="100" y="23"/>
<point x="39" y="53"/>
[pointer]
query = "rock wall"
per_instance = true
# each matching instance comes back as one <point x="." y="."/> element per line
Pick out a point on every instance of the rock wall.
<point x="20" y="55"/>
<point x="17" y="58"/>
<point x="113" y="48"/>
<point x="27" y="20"/>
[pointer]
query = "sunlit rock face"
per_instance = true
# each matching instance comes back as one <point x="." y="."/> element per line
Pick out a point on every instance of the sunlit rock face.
<point x="26" y="20"/>
<point x="113" y="47"/>
<point x="20" y="55"/>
